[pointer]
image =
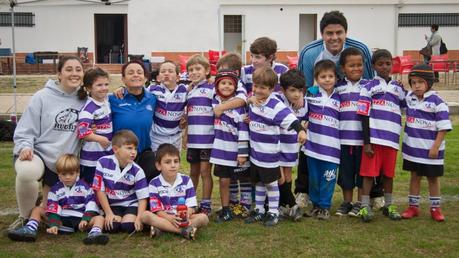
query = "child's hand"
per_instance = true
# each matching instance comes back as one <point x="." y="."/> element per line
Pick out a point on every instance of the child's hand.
<point x="433" y="152"/>
<point x="82" y="225"/>
<point x="183" y="122"/>
<point x="218" y="111"/>
<point x="109" y="219"/>
<point x="302" y="137"/>
<point x="368" y="150"/>
<point x="298" y="104"/>
<point x="104" y="142"/>
<point x="52" y="230"/>
<point x="174" y="220"/>
<point x="255" y="101"/>
<point x="26" y="154"/>
<point x="247" y="120"/>
<point x="241" y="160"/>
<point x="119" y="93"/>
<point x="138" y="224"/>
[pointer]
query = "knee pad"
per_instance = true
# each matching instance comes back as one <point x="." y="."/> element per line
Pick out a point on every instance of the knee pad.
<point x="115" y="229"/>
<point x="128" y="227"/>
<point x="29" y="170"/>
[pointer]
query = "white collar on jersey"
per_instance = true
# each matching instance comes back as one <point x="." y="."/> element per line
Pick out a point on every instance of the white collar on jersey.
<point x="120" y="173"/>
<point x="426" y="95"/>
<point x="178" y="180"/>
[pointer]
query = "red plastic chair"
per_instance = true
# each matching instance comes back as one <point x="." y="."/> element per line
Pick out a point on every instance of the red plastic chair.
<point x="213" y="59"/>
<point x="403" y="65"/>
<point x="395" y="66"/>
<point x="440" y="64"/>
<point x="182" y="60"/>
<point x="455" y="68"/>
<point x="292" y="62"/>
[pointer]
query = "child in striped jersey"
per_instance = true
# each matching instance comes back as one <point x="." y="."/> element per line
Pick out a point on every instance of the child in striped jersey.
<point x="423" y="149"/>
<point x="96" y="112"/>
<point x="170" y="107"/>
<point x="380" y="106"/>
<point x="292" y="85"/>
<point x="266" y="120"/>
<point x="165" y="191"/>
<point x="323" y="146"/>
<point x="121" y="186"/>
<point x="71" y="206"/>
<point x="230" y="148"/>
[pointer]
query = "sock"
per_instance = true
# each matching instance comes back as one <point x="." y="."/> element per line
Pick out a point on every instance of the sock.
<point x="290" y="198"/>
<point x="246" y="194"/>
<point x="365" y="200"/>
<point x="116" y="228"/>
<point x="206" y="204"/>
<point x="273" y="197"/>
<point x="413" y="200"/>
<point x="95" y="230"/>
<point x="32" y="225"/>
<point x="282" y="195"/>
<point x="260" y="197"/>
<point x="233" y="192"/>
<point x="128" y="227"/>
<point x="435" y="201"/>
<point x="387" y="199"/>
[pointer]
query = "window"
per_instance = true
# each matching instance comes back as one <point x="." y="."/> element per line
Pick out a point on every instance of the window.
<point x="232" y="23"/>
<point x="20" y="19"/>
<point x="427" y="19"/>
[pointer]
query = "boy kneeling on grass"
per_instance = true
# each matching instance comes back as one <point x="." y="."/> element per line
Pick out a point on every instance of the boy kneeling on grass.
<point x="165" y="192"/>
<point x="71" y="206"/>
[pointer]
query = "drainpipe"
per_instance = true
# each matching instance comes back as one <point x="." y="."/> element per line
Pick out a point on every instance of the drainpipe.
<point x="397" y="11"/>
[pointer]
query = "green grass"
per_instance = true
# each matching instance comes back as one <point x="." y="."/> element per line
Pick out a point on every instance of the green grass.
<point x="418" y="237"/>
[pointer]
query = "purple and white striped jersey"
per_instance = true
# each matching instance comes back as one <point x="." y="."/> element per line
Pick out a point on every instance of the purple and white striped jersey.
<point x="264" y="131"/>
<point x="231" y="134"/>
<point x="350" y="123"/>
<point x="170" y="107"/>
<point x="424" y="118"/>
<point x="98" y="114"/>
<point x="123" y="188"/>
<point x="289" y="138"/>
<point x="247" y="71"/>
<point x="71" y="201"/>
<point x="383" y="102"/>
<point x="323" y="141"/>
<point x="164" y="196"/>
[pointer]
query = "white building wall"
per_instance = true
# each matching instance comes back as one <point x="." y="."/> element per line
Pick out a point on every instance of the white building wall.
<point x="57" y="28"/>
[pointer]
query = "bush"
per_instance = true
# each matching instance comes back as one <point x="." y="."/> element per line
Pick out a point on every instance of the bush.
<point x="6" y="130"/>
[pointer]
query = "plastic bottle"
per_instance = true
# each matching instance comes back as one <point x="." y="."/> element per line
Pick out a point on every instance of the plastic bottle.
<point x="182" y="212"/>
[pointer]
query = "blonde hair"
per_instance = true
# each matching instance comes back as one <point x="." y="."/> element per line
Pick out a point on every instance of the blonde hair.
<point x="198" y="59"/>
<point x="67" y="163"/>
<point x="265" y="76"/>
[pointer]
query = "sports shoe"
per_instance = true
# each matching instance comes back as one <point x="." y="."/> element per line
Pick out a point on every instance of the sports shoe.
<point x="354" y="212"/>
<point x="366" y="214"/>
<point x="189" y="232"/>
<point x="18" y="223"/>
<point x="436" y="214"/>
<point x="154" y="232"/>
<point x="391" y="212"/>
<point x="22" y="234"/>
<point x="204" y="211"/>
<point x="97" y="238"/>
<point x="302" y="200"/>
<point x="377" y="203"/>
<point x="323" y="214"/>
<point x="411" y="212"/>
<point x="254" y="216"/>
<point x="296" y="213"/>
<point x="270" y="219"/>
<point x="344" y="209"/>
<point x="224" y="215"/>
<point x="312" y="212"/>
<point x="284" y="212"/>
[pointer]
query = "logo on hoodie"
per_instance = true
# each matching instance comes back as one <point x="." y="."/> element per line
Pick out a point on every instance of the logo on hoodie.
<point x="66" y="120"/>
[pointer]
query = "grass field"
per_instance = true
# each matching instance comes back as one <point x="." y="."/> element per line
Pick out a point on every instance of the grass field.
<point x="419" y="237"/>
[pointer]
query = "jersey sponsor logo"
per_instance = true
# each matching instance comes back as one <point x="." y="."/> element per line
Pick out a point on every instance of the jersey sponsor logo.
<point x="161" y="111"/>
<point x="177" y="96"/>
<point x="97" y="182"/>
<point x="257" y="127"/>
<point x="199" y="109"/>
<point x="420" y="123"/>
<point x="52" y="207"/>
<point x="363" y="107"/>
<point x="155" y="204"/>
<point x="66" y="120"/>
<point x="324" y="119"/>
<point x="180" y="189"/>
<point x="379" y="102"/>
<point x="316" y="116"/>
<point x="335" y="103"/>
<point x="104" y="126"/>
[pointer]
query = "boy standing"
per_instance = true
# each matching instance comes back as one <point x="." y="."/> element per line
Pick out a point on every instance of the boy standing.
<point x="266" y="119"/>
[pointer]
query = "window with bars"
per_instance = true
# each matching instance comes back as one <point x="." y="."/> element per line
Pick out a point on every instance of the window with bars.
<point x="232" y="23"/>
<point x="427" y="19"/>
<point x="21" y="19"/>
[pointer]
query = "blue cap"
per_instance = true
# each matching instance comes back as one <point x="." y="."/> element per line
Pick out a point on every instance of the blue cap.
<point x="181" y="201"/>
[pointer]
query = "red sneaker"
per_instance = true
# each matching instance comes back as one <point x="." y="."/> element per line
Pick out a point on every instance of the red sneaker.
<point x="436" y="214"/>
<point x="411" y="212"/>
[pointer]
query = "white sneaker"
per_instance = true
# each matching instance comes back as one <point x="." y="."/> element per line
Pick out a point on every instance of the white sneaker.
<point x="302" y="200"/>
<point x="296" y="213"/>
<point x="377" y="203"/>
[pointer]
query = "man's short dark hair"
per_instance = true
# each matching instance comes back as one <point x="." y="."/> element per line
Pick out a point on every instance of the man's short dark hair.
<point x="333" y="17"/>
<point x="434" y="26"/>
<point x="292" y="78"/>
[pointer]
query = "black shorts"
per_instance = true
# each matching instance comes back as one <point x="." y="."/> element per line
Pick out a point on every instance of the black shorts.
<point x="241" y="173"/>
<point x="50" y="178"/>
<point x="87" y="174"/>
<point x="121" y="211"/>
<point x="349" y="167"/>
<point x="71" y="222"/>
<point x="223" y="171"/>
<point x="197" y="155"/>
<point x="264" y="175"/>
<point x="423" y="169"/>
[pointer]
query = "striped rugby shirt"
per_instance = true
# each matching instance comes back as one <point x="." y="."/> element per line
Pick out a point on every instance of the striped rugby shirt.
<point x="264" y="131"/>
<point x="123" y="188"/>
<point x="247" y="71"/>
<point x="231" y="136"/>
<point x="424" y="118"/>
<point x="350" y="123"/>
<point x="323" y="141"/>
<point x="382" y="102"/>
<point x="164" y="196"/>
<point x="98" y="114"/>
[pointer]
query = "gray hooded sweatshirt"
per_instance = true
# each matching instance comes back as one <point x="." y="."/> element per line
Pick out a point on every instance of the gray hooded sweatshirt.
<point x="48" y="125"/>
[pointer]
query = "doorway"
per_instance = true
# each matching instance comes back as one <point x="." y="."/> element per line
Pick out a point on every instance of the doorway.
<point x="110" y="38"/>
<point x="233" y="36"/>
<point x="308" y="29"/>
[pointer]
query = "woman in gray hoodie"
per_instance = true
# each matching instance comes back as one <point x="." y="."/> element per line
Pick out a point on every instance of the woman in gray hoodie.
<point x="47" y="129"/>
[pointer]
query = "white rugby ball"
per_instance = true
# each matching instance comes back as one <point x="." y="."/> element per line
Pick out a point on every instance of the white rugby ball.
<point x="29" y="169"/>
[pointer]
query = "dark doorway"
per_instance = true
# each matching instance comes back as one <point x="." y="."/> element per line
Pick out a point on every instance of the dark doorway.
<point x="111" y="38"/>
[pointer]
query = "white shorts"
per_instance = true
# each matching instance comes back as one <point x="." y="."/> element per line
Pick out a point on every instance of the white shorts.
<point x="175" y="140"/>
